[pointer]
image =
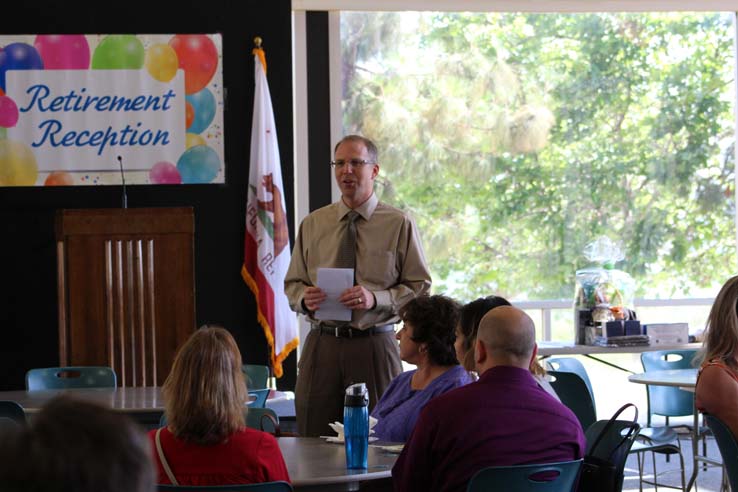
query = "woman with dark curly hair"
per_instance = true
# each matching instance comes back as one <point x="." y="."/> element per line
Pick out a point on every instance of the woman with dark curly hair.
<point x="427" y="341"/>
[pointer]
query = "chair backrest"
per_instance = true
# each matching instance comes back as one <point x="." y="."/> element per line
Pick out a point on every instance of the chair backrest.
<point x="552" y="477"/>
<point x="260" y="396"/>
<point x="573" y="393"/>
<point x="728" y="448"/>
<point x="570" y="364"/>
<point x="12" y="411"/>
<point x="252" y="487"/>
<point x="614" y="445"/>
<point x="257" y="376"/>
<point x="666" y="400"/>
<point x="70" y="377"/>
<point x="256" y="420"/>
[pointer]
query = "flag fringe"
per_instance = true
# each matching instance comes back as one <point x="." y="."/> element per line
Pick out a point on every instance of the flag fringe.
<point x="276" y="359"/>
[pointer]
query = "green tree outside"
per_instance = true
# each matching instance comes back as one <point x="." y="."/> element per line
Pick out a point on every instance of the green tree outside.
<point x="516" y="139"/>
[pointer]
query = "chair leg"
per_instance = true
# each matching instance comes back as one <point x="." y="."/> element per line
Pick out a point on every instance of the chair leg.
<point x="655" y="477"/>
<point x="640" y="456"/>
<point x="681" y="463"/>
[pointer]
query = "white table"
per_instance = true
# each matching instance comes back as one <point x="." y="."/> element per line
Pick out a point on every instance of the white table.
<point x="145" y="403"/>
<point x="546" y="349"/>
<point x="686" y="380"/>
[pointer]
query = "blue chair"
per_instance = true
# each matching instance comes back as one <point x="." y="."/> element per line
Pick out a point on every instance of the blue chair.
<point x="570" y="364"/>
<point x="665" y="446"/>
<point x="70" y="377"/>
<point x="264" y="419"/>
<point x="258" y="418"/>
<point x="665" y="400"/>
<point x="260" y="396"/>
<point x="573" y="393"/>
<point x="257" y="376"/>
<point x="552" y="477"/>
<point x="253" y="487"/>
<point x="728" y="448"/>
<point x="669" y="401"/>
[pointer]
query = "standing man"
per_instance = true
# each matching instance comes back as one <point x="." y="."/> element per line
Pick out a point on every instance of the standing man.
<point x="389" y="270"/>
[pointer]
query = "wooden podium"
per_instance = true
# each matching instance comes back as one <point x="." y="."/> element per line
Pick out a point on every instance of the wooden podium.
<point x="126" y="289"/>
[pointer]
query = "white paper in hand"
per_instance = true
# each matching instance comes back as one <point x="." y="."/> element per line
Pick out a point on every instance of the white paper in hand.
<point x="333" y="281"/>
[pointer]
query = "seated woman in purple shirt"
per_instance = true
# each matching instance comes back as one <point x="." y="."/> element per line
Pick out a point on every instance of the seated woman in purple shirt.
<point x="427" y="341"/>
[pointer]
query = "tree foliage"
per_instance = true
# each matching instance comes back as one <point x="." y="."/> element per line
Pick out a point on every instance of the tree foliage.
<point x="516" y="139"/>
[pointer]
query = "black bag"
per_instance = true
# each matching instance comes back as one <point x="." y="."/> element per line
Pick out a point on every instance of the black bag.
<point x="601" y="474"/>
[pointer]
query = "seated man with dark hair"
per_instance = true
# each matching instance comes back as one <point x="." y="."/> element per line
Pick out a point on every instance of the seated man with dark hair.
<point x="504" y="419"/>
<point x="76" y="446"/>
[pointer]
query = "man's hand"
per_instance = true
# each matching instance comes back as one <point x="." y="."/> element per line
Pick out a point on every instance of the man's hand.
<point x="357" y="297"/>
<point x="312" y="297"/>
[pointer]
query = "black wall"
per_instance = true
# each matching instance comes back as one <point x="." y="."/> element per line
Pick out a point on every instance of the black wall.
<point x="28" y="298"/>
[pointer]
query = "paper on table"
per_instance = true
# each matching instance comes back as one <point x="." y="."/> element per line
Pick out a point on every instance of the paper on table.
<point x="333" y="281"/>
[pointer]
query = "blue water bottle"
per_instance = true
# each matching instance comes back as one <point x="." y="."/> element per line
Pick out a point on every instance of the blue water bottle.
<point x="356" y="425"/>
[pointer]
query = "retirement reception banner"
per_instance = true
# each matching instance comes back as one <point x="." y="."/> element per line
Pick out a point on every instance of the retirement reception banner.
<point x="72" y="107"/>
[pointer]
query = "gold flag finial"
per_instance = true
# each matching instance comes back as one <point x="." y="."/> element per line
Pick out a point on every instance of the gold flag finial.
<point x="259" y="52"/>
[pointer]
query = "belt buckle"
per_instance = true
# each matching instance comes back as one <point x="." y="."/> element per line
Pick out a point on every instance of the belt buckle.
<point x="343" y="331"/>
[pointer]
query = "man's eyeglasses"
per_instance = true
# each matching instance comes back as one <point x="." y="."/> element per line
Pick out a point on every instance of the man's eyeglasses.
<point x="339" y="164"/>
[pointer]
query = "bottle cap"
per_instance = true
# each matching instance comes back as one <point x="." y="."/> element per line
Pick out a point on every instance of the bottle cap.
<point x="357" y="395"/>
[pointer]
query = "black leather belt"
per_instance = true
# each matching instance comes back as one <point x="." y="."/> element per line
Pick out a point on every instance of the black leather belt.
<point x="348" y="332"/>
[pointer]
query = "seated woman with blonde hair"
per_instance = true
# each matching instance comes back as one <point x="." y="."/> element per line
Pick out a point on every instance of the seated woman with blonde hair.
<point x="717" y="382"/>
<point x="206" y="441"/>
<point x="427" y="341"/>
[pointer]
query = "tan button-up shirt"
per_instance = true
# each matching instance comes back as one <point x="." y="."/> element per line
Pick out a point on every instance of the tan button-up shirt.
<point x="389" y="258"/>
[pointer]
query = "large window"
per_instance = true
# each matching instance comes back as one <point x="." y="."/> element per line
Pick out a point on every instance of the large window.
<point x="515" y="139"/>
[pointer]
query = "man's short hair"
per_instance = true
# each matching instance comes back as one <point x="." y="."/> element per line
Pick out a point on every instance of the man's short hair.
<point x="74" y="445"/>
<point x="508" y="332"/>
<point x="370" y="147"/>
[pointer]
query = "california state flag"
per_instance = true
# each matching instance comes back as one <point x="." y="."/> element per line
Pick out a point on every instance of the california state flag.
<point x="267" y="244"/>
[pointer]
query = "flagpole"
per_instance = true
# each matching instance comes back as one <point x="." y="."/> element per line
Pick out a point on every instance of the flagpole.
<point x="271" y="381"/>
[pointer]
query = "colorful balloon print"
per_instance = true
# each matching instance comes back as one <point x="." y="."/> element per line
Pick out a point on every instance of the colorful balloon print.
<point x="119" y="51"/>
<point x="198" y="57"/>
<point x="192" y="139"/>
<point x="198" y="164"/>
<point x="18" y="56"/>
<point x="162" y="62"/>
<point x="17" y="164"/>
<point x="8" y="112"/>
<point x="59" y="178"/>
<point x="189" y="114"/>
<point x="63" y="51"/>
<point x="164" y="173"/>
<point x="204" y="105"/>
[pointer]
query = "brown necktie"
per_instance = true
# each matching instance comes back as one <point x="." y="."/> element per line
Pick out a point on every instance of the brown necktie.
<point x="347" y="249"/>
